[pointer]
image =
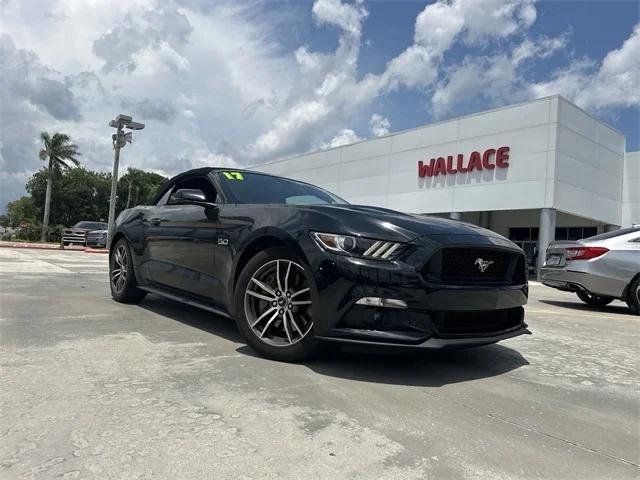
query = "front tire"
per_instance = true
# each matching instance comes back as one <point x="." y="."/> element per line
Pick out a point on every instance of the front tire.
<point x="594" y="300"/>
<point x="273" y="306"/>
<point x="633" y="297"/>
<point x="122" y="279"/>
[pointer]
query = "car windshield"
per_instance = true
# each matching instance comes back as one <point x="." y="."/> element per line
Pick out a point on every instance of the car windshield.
<point x="91" y="225"/>
<point x="615" y="233"/>
<point x="256" y="188"/>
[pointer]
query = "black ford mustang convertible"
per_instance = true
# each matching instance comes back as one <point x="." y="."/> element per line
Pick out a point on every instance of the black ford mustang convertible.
<point x="295" y="265"/>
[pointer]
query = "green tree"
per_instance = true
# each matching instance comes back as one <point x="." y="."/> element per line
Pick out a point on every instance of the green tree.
<point x="59" y="150"/>
<point x="19" y="210"/>
<point x="137" y="187"/>
<point x="77" y="194"/>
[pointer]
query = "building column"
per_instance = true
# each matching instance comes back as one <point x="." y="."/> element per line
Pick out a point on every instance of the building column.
<point x="611" y="228"/>
<point x="455" y="216"/>
<point x="485" y="220"/>
<point x="546" y="235"/>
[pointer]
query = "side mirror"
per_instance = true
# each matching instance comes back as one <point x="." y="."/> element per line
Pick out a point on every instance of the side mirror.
<point x="189" y="195"/>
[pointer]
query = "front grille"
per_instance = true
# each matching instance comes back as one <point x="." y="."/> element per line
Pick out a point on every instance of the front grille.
<point x="71" y="236"/>
<point x="469" y="263"/>
<point x="460" y="323"/>
<point x="463" y="265"/>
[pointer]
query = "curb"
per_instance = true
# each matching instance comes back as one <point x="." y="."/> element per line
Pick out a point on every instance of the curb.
<point x="95" y="250"/>
<point x="36" y="246"/>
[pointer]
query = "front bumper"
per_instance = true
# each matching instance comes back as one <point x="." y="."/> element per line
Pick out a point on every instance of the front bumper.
<point x="438" y="315"/>
<point x="96" y="242"/>
<point x="74" y="237"/>
<point x="435" y="343"/>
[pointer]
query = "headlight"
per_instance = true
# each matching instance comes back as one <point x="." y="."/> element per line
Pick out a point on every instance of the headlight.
<point x="358" y="247"/>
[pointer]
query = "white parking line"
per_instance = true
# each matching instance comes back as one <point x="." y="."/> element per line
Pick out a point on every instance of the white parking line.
<point x="30" y="262"/>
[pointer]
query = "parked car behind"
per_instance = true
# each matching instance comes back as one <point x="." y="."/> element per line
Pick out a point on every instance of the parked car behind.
<point x="77" y="235"/>
<point x="598" y="269"/>
<point x="97" y="238"/>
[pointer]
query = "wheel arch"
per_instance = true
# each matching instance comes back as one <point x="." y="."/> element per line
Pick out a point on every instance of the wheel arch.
<point x="114" y="240"/>
<point x="134" y="264"/>
<point x="625" y="292"/>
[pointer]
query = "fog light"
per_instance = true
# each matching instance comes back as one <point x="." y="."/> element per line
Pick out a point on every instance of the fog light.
<point x="382" y="302"/>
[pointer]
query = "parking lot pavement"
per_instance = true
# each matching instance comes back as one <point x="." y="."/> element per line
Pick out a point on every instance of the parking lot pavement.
<point x="90" y="388"/>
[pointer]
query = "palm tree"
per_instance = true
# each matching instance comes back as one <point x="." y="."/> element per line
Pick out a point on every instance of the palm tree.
<point x="61" y="153"/>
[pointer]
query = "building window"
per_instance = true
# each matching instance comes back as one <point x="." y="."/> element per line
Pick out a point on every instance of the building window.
<point x="575" y="233"/>
<point x="527" y="234"/>
<point x="520" y="234"/>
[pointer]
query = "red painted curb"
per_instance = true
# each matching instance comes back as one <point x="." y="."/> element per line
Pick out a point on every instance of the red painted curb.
<point x="95" y="250"/>
<point x="40" y="246"/>
<point x="31" y="246"/>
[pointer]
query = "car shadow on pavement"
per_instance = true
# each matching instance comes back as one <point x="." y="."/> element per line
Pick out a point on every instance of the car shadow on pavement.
<point x="415" y="368"/>
<point x="194" y="317"/>
<point x="364" y="364"/>
<point x="622" y="309"/>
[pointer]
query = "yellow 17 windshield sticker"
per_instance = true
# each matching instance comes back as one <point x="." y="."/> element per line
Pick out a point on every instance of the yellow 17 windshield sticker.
<point x="233" y="175"/>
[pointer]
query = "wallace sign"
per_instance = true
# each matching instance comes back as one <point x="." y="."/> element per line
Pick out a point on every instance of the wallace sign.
<point x="487" y="160"/>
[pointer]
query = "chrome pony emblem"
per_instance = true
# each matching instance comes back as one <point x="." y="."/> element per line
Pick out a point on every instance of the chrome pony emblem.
<point x="482" y="264"/>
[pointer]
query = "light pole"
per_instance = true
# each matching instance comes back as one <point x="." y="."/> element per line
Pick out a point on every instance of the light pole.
<point x="120" y="139"/>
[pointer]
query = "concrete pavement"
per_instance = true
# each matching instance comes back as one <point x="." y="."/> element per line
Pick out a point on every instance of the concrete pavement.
<point x="90" y="388"/>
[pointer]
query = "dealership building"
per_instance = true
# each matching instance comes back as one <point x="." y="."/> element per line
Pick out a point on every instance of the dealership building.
<point x="534" y="172"/>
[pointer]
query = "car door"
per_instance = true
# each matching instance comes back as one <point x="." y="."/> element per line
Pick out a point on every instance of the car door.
<point x="180" y="243"/>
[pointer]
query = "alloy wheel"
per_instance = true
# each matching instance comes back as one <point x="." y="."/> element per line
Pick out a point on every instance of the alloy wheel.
<point x="277" y="303"/>
<point x="119" y="268"/>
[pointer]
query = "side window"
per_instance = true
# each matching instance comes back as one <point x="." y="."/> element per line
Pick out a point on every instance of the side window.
<point x="165" y="198"/>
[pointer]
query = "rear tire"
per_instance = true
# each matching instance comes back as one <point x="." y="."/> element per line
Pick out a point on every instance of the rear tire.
<point x="594" y="300"/>
<point x="273" y="306"/>
<point x="122" y="278"/>
<point x="633" y="296"/>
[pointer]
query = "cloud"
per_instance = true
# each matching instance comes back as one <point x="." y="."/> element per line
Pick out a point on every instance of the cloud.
<point x="336" y="91"/>
<point x="237" y="83"/>
<point x="491" y="80"/>
<point x="160" y="28"/>
<point x="26" y="79"/>
<point x="151" y="109"/>
<point x="615" y="82"/>
<point x="348" y="17"/>
<point x="346" y="136"/>
<point x="379" y="125"/>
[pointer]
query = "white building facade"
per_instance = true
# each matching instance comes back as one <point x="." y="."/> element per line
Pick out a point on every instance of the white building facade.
<point x="533" y="172"/>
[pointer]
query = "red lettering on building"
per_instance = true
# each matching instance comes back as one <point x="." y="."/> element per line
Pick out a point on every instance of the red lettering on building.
<point x="502" y="157"/>
<point x="450" y="169"/>
<point x="474" y="162"/>
<point x="488" y="160"/>
<point x="440" y="168"/>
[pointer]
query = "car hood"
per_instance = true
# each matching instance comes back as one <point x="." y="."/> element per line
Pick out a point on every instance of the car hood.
<point x="388" y="224"/>
<point x="76" y="230"/>
<point x="96" y="232"/>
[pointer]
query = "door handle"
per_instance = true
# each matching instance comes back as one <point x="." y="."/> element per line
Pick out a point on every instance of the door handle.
<point x="155" y="220"/>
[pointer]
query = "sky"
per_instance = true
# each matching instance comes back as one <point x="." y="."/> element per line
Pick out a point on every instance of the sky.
<point x="238" y="83"/>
